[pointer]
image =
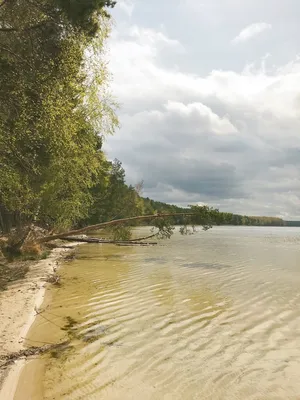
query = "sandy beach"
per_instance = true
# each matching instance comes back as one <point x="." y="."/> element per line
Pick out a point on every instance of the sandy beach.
<point x="18" y="305"/>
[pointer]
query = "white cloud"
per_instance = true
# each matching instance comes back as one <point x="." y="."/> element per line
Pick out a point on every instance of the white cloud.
<point x="251" y="31"/>
<point x="127" y="6"/>
<point x="202" y="115"/>
<point x="152" y="38"/>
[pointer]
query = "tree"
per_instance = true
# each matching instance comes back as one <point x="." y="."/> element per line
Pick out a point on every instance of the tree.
<point x="112" y="198"/>
<point x="51" y="114"/>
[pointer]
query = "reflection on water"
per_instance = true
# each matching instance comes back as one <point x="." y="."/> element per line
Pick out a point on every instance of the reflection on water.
<point x="210" y="316"/>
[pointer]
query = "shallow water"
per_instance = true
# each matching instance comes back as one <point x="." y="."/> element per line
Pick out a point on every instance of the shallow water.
<point x="214" y="315"/>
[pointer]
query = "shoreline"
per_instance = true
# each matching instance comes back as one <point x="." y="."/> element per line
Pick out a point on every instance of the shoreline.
<point x="18" y="305"/>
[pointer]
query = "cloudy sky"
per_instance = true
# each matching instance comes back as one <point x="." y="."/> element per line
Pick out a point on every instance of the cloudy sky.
<point x="209" y="94"/>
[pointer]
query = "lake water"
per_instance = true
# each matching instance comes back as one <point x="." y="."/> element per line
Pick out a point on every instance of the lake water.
<point x="212" y="316"/>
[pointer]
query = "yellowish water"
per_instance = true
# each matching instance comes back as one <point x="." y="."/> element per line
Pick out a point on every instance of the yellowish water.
<point x="213" y="316"/>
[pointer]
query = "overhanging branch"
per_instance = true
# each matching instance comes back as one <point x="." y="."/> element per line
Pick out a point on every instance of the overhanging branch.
<point x="111" y="223"/>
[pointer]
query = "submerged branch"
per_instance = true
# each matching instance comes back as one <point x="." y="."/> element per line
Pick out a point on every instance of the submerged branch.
<point x="31" y="351"/>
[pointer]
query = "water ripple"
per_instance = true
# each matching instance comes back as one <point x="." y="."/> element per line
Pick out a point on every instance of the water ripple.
<point x="212" y="316"/>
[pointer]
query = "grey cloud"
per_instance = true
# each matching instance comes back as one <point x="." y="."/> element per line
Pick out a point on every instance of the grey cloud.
<point x="193" y="177"/>
<point x="172" y="151"/>
<point x="214" y="181"/>
<point x="241" y="154"/>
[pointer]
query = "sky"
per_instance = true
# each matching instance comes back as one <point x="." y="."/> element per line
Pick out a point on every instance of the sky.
<point x="209" y="95"/>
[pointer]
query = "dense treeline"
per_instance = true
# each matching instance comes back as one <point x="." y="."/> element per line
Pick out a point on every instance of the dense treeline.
<point x="234" y="219"/>
<point x="222" y="218"/>
<point x="112" y="198"/>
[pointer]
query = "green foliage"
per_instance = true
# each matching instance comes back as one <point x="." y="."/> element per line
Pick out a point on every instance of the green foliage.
<point x="112" y="198"/>
<point x="84" y="15"/>
<point x="205" y="216"/>
<point x="120" y="232"/>
<point x="165" y="227"/>
<point x="51" y="115"/>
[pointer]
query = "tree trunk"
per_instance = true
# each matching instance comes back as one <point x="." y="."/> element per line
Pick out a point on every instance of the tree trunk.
<point x="105" y="241"/>
<point x="109" y="223"/>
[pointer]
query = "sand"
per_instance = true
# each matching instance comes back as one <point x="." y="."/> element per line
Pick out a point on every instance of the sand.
<point x="18" y="305"/>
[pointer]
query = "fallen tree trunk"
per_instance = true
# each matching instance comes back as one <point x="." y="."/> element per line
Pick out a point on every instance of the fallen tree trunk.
<point x="31" y="351"/>
<point x="97" y="240"/>
<point x="109" y="223"/>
